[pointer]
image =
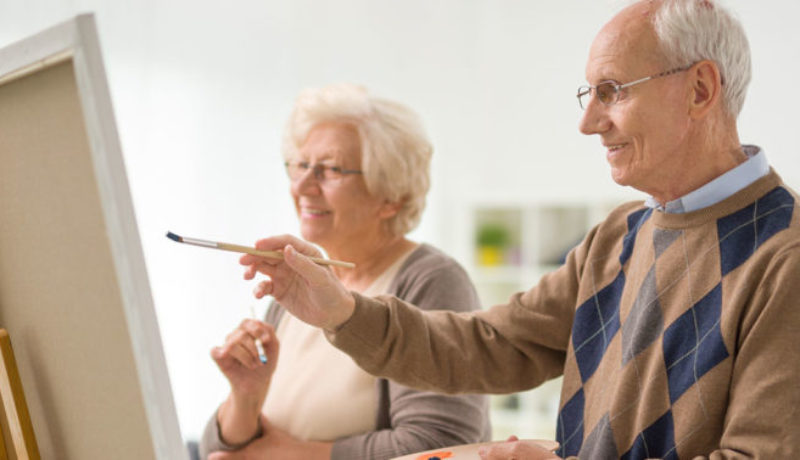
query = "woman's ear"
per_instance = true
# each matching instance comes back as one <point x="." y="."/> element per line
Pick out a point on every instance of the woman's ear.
<point x="706" y="89"/>
<point x="390" y="209"/>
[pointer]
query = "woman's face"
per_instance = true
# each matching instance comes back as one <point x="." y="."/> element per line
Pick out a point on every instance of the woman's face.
<point x="338" y="213"/>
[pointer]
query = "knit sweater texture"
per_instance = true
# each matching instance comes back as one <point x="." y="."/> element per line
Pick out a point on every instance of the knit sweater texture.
<point x="676" y="334"/>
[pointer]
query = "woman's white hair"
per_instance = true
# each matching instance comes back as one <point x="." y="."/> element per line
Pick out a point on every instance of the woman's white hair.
<point x="395" y="151"/>
<point x="690" y="31"/>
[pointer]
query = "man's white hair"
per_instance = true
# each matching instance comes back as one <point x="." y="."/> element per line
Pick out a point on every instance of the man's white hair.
<point x="690" y="31"/>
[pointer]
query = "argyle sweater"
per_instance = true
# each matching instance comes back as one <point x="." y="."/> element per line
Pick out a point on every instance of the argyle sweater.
<point x="676" y="334"/>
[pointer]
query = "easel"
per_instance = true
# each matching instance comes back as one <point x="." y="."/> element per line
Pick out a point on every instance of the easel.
<point x="18" y="440"/>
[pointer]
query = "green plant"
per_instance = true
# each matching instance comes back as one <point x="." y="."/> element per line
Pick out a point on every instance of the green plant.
<point x="491" y="234"/>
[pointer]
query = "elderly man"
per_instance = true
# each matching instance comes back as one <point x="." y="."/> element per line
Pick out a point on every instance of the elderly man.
<point x="675" y="321"/>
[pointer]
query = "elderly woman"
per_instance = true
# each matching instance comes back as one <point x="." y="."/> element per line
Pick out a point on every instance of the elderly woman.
<point x="358" y="167"/>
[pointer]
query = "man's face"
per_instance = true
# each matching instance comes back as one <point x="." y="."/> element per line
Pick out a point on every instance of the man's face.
<point x="645" y="131"/>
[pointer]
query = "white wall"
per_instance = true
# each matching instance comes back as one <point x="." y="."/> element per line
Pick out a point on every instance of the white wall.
<point x="201" y="89"/>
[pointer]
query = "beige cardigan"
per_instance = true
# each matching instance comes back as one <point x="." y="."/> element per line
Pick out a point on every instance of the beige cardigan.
<point x="408" y="420"/>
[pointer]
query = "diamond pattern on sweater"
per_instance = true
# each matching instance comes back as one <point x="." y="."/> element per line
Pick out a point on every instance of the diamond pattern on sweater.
<point x="635" y="221"/>
<point x="569" y="431"/>
<point x="662" y="239"/>
<point x="742" y="232"/>
<point x="657" y="441"/>
<point x="600" y="443"/>
<point x="671" y="336"/>
<point x="644" y="324"/>
<point x="596" y="322"/>
<point x="693" y="343"/>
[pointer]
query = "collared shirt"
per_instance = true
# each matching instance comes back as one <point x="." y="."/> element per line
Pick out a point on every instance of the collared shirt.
<point x="755" y="167"/>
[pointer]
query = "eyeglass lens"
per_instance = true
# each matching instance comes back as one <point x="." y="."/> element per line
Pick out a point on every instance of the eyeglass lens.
<point x="606" y="92"/>
<point x="297" y="169"/>
<point x="322" y="172"/>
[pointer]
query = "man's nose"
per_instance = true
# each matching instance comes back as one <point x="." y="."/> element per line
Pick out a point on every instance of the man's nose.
<point x="595" y="118"/>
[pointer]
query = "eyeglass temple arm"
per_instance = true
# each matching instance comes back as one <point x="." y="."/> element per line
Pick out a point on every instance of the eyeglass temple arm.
<point x="636" y="82"/>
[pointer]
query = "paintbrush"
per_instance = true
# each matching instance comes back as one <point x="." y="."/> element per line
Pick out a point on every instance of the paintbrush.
<point x="249" y="250"/>
<point x="262" y="356"/>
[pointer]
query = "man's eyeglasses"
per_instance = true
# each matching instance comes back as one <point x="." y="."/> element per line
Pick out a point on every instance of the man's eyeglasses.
<point x="608" y="91"/>
<point x="322" y="172"/>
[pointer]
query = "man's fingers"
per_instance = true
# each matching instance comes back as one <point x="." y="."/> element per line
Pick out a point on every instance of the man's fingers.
<point x="263" y="288"/>
<point x="279" y="243"/>
<point x="217" y="355"/>
<point x="304" y="266"/>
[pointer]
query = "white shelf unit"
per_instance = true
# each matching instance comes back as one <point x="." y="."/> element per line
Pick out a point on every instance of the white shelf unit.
<point x="539" y="234"/>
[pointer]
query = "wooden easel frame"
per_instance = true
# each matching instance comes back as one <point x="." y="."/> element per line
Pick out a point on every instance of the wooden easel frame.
<point x="16" y="420"/>
<point x="68" y="54"/>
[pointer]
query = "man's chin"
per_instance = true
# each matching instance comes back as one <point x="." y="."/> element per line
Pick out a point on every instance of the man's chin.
<point x="620" y="177"/>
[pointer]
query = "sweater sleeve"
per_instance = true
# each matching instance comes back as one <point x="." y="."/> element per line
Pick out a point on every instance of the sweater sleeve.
<point x="763" y="413"/>
<point x="422" y="420"/>
<point x="212" y="440"/>
<point x="419" y="421"/>
<point x="469" y="352"/>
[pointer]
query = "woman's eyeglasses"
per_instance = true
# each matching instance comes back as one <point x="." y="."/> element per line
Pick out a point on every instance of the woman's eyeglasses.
<point x="322" y="172"/>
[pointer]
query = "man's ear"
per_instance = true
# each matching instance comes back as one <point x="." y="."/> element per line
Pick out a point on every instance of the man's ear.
<point x="706" y="89"/>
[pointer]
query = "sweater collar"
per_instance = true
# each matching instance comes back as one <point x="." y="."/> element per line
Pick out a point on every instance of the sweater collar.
<point x="733" y="203"/>
<point x="755" y="167"/>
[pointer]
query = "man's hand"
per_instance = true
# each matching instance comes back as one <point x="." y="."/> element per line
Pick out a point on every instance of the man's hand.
<point x="309" y="291"/>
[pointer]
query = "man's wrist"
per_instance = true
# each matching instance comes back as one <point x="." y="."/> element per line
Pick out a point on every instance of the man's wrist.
<point x="347" y="310"/>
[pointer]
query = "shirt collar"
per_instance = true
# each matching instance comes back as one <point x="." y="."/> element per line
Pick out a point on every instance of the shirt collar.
<point x="755" y="167"/>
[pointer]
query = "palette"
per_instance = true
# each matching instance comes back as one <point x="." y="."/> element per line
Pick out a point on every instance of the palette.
<point x="469" y="451"/>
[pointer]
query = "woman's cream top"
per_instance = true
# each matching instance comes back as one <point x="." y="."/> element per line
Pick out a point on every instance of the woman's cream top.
<point x="317" y="392"/>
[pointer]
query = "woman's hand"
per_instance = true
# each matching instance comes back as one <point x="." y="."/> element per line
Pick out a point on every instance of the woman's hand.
<point x="514" y="449"/>
<point x="249" y="378"/>
<point x="277" y="444"/>
<point x="238" y="358"/>
<point x="309" y="291"/>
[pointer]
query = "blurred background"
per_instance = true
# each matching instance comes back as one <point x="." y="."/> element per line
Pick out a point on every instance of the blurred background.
<point x="201" y="90"/>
